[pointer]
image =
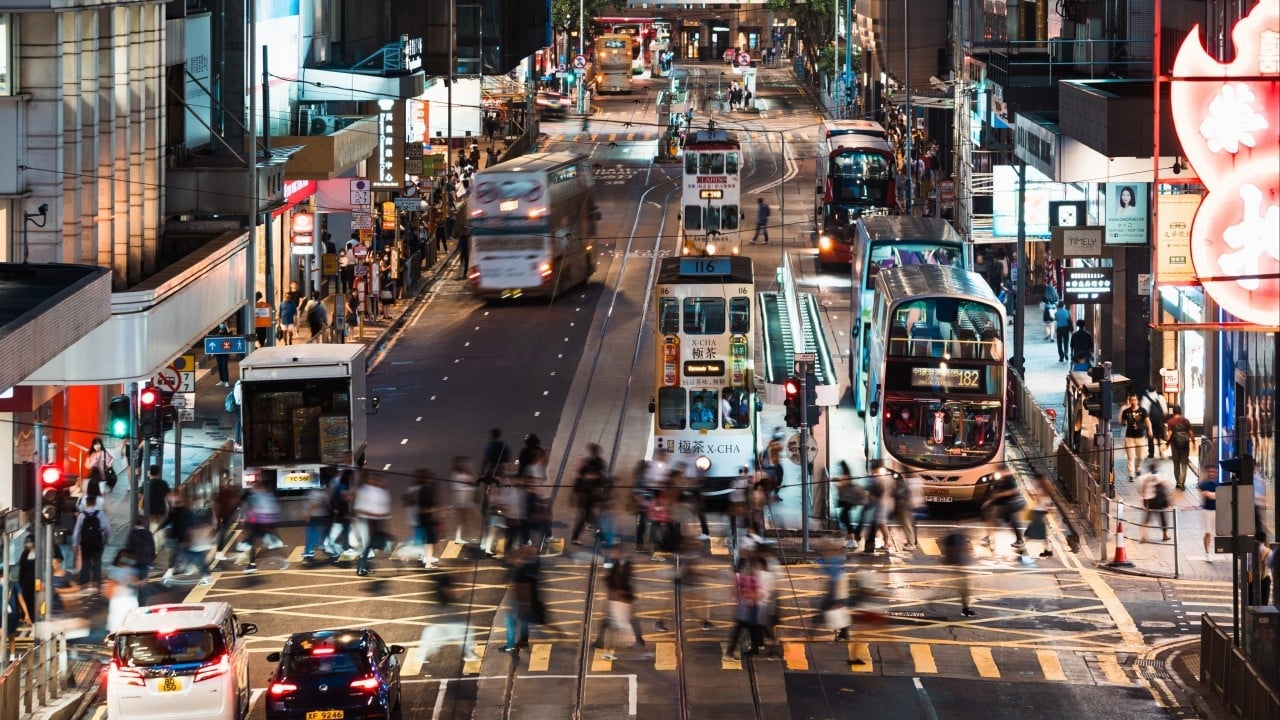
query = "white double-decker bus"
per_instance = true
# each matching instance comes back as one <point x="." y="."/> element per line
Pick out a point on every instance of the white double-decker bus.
<point x="710" y="204"/>
<point x="936" y="380"/>
<point x="533" y="224"/>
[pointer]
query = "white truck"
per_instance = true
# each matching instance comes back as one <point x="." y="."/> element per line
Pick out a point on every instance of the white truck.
<point x="302" y="408"/>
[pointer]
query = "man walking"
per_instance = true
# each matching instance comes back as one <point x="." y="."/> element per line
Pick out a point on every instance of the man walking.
<point x="1062" y="330"/>
<point x="1137" y="428"/>
<point x="762" y="221"/>
<point x="1181" y="442"/>
<point x="1082" y="343"/>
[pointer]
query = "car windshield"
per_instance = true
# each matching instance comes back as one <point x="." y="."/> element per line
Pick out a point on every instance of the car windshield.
<point x="168" y="648"/>
<point x="336" y="663"/>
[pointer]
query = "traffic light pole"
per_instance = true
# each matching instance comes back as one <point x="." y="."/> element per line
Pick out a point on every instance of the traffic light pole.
<point x="804" y="461"/>
<point x="134" y="462"/>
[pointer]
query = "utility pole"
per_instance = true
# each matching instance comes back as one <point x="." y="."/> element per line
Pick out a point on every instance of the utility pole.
<point x="906" y="85"/>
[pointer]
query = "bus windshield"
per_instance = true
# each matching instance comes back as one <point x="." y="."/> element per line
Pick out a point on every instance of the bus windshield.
<point x="860" y="163"/>
<point x="885" y="254"/>
<point x="859" y="191"/>
<point x="946" y="327"/>
<point x="941" y="434"/>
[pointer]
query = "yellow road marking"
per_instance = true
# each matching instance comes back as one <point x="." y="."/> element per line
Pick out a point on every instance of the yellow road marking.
<point x="929" y="546"/>
<point x="665" y="659"/>
<point x="452" y="551"/>
<point x="473" y="667"/>
<point x="793" y="653"/>
<point x="613" y="136"/>
<point x="412" y="663"/>
<point x="540" y="657"/>
<point x="1050" y="665"/>
<point x="860" y="651"/>
<point x="727" y="661"/>
<point x="598" y="662"/>
<point x="986" y="664"/>
<point x="922" y="656"/>
<point x="199" y="591"/>
<point x="719" y="545"/>
<point x="1111" y="669"/>
<point x="295" y="556"/>
<point x="1129" y="633"/>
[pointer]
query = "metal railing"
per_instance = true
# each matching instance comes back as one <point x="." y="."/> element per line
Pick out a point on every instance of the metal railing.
<point x="34" y="679"/>
<point x="1227" y="672"/>
<point x="1082" y="486"/>
<point x="1116" y="512"/>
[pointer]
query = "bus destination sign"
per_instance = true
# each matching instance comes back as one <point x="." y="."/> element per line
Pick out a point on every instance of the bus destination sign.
<point x="704" y="368"/>
<point x="950" y="378"/>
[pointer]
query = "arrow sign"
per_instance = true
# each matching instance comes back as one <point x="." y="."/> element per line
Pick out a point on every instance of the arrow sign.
<point x="225" y="345"/>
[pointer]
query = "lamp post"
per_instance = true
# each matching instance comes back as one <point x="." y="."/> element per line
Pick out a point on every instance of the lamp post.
<point x="43" y="213"/>
<point x="906" y="85"/>
<point x="582" y="101"/>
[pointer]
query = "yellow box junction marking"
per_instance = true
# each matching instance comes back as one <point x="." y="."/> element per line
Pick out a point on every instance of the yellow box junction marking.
<point x="985" y="663"/>
<point x="1050" y="665"/>
<point x="1111" y="669"/>
<point x="473" y="667"/>
<point x="795" y="656"/>
<point x="598" y="662"/>
<point x="540" y="657"/>
<point x="665" y="659"/>
<point x="860" y="651"/>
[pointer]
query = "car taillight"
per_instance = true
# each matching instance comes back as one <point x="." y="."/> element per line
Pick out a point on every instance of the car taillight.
<point x="368" y="684"/>
<point x="127" y="675"/>
<point x="213" y="669"/>
<point x="280" y="689"/>
<point x="473" y="276"/>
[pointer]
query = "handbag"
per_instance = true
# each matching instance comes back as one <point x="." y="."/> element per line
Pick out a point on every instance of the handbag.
<point x="385" y="296"/>
<point x="110" y="477"/>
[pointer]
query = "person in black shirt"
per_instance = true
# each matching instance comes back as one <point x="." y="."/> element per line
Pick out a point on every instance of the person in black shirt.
<point x="1082" y="342"/>
<point x="1137" y="427"/>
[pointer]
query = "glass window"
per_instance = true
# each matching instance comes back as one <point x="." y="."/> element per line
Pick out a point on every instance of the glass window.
<point x="668" y="316"/>
<point x="297" y="421"/>
<point x="712" y="217"/>
<point x="6" y="54"/>
<point x="942" y="435"/>
<point x="704" y="405"/>
<point x="348" y="662"/>
<point x="735" y="408"/>
<point x="704" y="316"/>
<point x="692" y="217"/>
<point x="671" y="408"/>
<point x="156" y="648"/>
<point x="731" y="163"/>
<point x="729" y="216"/>
<point x="717" y="163"/>
<point x="691" y="163"/>
<point x="739" y="315"/>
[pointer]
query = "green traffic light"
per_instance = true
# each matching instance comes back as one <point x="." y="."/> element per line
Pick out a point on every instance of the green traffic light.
<point x="119" y="428"/>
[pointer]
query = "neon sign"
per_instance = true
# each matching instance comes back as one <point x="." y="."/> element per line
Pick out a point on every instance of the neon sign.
<point x="1230" y="132"/>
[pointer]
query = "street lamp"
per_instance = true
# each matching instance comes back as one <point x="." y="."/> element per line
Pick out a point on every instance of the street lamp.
<point x="43" y="213"/>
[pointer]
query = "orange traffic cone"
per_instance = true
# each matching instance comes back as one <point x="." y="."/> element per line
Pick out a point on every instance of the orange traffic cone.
<point x="1122" y="558"/>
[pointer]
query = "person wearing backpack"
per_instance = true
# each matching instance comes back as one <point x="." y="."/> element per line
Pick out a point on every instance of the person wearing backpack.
<point x="1155" y="498"/>
<point x="1182" y="440"/>
<point x="90" y="539"/>
<point x="1157" y="410"/>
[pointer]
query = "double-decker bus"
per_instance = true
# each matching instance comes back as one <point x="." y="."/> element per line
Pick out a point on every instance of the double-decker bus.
<point x="710" y="196"/>
<point x="532" y="222"/>
<point x="704" y="372"/>
<point x="937" y="380"/>
<point x="855" y="173"/>
<point x="613" y="63"/>
<point x="880" y="243"/>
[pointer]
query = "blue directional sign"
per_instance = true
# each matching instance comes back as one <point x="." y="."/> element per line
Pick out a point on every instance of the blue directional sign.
<point x="226" y="345"/>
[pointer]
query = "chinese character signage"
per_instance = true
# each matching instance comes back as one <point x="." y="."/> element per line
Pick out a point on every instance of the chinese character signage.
<point x="1227" y="118"/>
<point x="1173" y="239"/>
<point x="388" y="171"/>
<point x="1087" y="286"/>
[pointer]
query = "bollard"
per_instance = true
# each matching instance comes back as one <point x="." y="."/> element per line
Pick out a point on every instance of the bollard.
<point x="1121" y="558"/>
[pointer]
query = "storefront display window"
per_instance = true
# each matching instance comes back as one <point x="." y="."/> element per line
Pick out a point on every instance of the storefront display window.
<point x="6" y="54"/>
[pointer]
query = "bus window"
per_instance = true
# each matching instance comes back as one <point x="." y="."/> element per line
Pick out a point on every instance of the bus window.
<point x="739" y="315"/>
<point x="704" y="316"/>
<point x="691" y="163"/>
<point x="731" y="163"/>
<point x="692" y="217"/>
<point x="671" y="408"/>
<point x="702" y="413"/>
<point x="729" y="216"/>
<point x="668" y="316"/>
<point x="735" y="412"/>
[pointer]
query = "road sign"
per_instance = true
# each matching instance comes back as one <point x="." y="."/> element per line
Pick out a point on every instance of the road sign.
<point x="186" y="366"/>
<point x="226" y="345"/>
<point x="167" y="379"/>
<point x="183" y="400"/>
<point x="360" y="251"/>
<point x="361" y="221"/>
<point x="12" y="521"/>
<point x="744" y="59"/>
<point x="409" y="204"/>
<point x="580" y="61"/>
<point x="360" y="192"/>
<point x="561" y="68"/>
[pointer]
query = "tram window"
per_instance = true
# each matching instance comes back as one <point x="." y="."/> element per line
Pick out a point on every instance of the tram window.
<point x="704" y="316"/>
<point x="668" y="316"/>
<point x="713" y="217"/>
<point x="671" y="408"/>
<point x="692" y="217"/>
<point x="731" y="163"/>
<point x="717" y="163"/>
<point x="691" y="163"/>
<point x="739" y="315"/>
<point x="729" y="216"/>
<point x="735" y="410"/>
<point x="704" y="163"/>
<point x="702" y="413"/>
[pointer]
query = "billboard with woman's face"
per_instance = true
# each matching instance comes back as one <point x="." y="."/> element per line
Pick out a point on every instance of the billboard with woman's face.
<point x="1127" y="213"/>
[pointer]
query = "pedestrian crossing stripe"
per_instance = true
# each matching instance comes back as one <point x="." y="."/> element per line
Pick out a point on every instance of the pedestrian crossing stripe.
<point x="540" y="657"/>
<point x="729" y="659"/>
<point x="665" y="657"/>
<point x="1111" y="669"/>
<point x="795" y="656"/>
<point x="922" y="658"/>
<point x="985" y="663"/>
<point x="860" y="651"/>
<point x="472" y="667"/>
<point x="599" y="663"/>
<point x="929" y="546"/>
<point x="452" y="551"/>
<point x="1050" y="665"/>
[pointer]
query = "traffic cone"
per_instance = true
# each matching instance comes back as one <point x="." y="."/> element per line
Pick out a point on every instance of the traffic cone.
<point x="1121" y="559"/>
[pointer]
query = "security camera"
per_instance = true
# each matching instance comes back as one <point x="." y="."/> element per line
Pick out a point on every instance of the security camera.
<point x="43" y="209"/>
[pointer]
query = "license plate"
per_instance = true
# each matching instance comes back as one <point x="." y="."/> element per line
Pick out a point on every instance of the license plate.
<point x="324" y="715"/>
<point x="169" y="684"/>
<point x="938" y="498"/>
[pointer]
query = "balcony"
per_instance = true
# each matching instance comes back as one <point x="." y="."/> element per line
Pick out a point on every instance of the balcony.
<point x="1030" y="71"/>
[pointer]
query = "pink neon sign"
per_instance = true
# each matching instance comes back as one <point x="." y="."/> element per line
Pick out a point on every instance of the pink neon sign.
<point x="1230" y="132"/>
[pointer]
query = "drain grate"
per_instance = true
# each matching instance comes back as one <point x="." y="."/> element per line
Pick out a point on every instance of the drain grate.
<point x="1152" y="669"/>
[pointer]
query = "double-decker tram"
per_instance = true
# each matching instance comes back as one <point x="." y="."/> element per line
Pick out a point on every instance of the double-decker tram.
<point x="613" y="62"/>
<point x="937" y="380"/>
<point x="704" y="375"/>
<point x="532" y="221"/>
<point x="855" y="178"/>
<point x="710" y="196"/>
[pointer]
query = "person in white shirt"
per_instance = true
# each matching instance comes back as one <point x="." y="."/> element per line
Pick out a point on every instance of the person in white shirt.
<point x="1155" y="498"/>
<point x="373" y="507"/>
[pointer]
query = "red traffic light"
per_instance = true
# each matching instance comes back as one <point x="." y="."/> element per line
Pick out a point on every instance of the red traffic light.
<point x="50" y="476"/>
<point x="792" y="387"/>
<point x="148" y="398"/>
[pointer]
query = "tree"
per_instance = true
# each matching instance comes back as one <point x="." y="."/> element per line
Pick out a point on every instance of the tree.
<point x="564" y="13"/>
<point x="813" y="24"/>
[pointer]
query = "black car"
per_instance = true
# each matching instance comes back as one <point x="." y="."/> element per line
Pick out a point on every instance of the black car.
<point x="335" y="675"/>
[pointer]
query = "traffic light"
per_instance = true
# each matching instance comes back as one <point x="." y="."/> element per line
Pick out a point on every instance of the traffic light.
<point x="812" y="411"/>
<point x="118" y="411"/>
<point x="50" y="478"/>
<point x="149" y="412"/>
<point x="792" y="402"/>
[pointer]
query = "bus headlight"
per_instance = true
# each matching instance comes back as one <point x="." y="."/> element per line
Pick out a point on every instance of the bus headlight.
<point x="703" y="463"/>
<point x="824" y="243"/>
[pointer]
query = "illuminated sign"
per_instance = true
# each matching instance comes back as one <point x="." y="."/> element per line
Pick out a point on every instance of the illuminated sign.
<point x="710" y="194"/>
<point x="389" y="163"/>
<point x="411" y="52"/>
<point x="302" y="230"/>
<point x="704" y="368"/>
<point x="1174" y="216"/>
<point x="942" y="377"/>
<point x="1127" y="213"/>
<point x="1086" y="286"/>
<point x="1229" y="129"/>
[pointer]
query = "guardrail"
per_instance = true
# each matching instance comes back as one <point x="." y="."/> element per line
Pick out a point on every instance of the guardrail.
<point x="35" y="678"/>
<point x="1122" y="516"/>
<point x="1081" y="485"/>
<point x="1227" y="672"/>
<point x="200" y="487"/>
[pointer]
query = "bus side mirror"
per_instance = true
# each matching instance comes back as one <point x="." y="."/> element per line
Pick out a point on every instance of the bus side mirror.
<point x="874" y="408"/>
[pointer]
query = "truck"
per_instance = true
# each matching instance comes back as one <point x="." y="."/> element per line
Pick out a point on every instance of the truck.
<point x="302" y="408"/>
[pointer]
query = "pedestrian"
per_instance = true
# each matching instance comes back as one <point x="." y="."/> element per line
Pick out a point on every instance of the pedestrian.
<point x="449" y="624"/>
<point x="27" y="572"/>
<point x="745" y="611"/>
<point x="1082" y="342"/>
<point x="288" y="319"/>
<point x="1265" y="565"/>
<point x="100" y="469"/>
<point x="319" y="519"/>
<point x="261" y="318"/>
<point x="225" y="503"/>
<point x="1157" y="411"/>
<point x="588" y="490"/>
<point x="1208" y="489"/>
<point x="738" y="503"/>
<point x="771" y="463"/>
<point x="1038" y="527"/>
<point x="1156" y="500"/>
<point x="341" y="491"/>
<point x="121" y="591"/>
<point x="442" y="237"/>
<point x="421" y="501"/>
<point x="957" y="553"/>
<point x="466" y="503"/>
<point x="372" y="508"/>
<point x="495" y="456"/>
<point x="524" y="607"/>
<point x="746" y="99"/>
<point x="875" y="514"/>
<point x="1062" y="331"/>
<point x="622" y="596"/>
<point x="500" y="492"/>
<point x="904" y="509"/>
<point x="850" y="496"/>
<point x="767" y="573"/>
<point x="317" y="316"/>
<point x="1050" y="304"/>
<point x="1005" y="503"/>
<point x="1137" y="428"/>
<point x="157" y="497"/>
<point x="90" y="536"/>
<point x="140" y="545"/>
<point x="223" y="359"/>
<point x="762" y="221"/>
<point x="1182" y="441"/>
<point x="175" y="526"/>
<point x="198" y="543"/>
<point x="835" y="599"/>
<point x="262" y="512"/>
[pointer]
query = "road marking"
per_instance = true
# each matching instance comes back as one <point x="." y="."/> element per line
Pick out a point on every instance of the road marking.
<point x="719" y="545"/>
<point x="418" y="419"/>
<point x="727" y="660"/>
<point x="452" y="551"/>
<point x="412" y="663"/>
<point x="665" y="656"/>
<point x="928" y="546"/>
<point x="1111" y="669"/>
<point x="598" y="662"/>
<point x="1129" y="633"/>
<point x="199" y="591"/>
<point x="922" y="656"/>
<point x="295" y="556"/>
<point x="404" y="441"/>
<point x="985" y="663"/>
<point x="472" y="667"/>
<point x="100" y="713"/>
<point x="540" y="657"/>
<point x="1050" y="665"/>
<point x="860" y="651"/>
<point x="794" y="654"/>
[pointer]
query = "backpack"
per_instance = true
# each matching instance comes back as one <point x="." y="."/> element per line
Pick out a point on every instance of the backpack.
<point x="229" y="404"/>
<point x="1161" y="497"/>
<point x="1181" y="436"/>
<point x="91" y="531"/>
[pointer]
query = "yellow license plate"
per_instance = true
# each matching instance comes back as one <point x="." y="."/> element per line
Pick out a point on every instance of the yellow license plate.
<point x="168" y="685"/>
<point x="324" y="715"/>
